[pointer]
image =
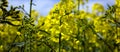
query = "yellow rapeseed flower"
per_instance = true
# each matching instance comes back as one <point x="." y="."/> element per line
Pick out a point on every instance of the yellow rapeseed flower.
<point x="1" y="12"/>
<point x="18" y="33"/>
<point x="1" y="46"/>
<point x="117" y="41"/>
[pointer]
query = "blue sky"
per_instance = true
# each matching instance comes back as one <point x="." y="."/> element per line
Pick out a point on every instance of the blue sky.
<point x="44" y="6"/>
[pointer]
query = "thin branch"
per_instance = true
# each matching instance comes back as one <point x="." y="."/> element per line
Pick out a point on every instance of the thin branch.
<point x="30" y="6"/>
<point x="44" y="31"/>
<point x="25" y="11"/>
<point x="8" y="23"/>
<point x="52" y="49"/>
<point x="11" y="46"/>
<point x="109" y="46"/>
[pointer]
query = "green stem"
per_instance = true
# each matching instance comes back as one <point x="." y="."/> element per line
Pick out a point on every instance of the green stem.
<point x="78" y="4"/>
<point x="84" y="41"/>
<point x="78" y="24"/>
<point x="117" y="30"/>
<point x="60" y="36"/>
<point x="30" y="6"/>
<point x="109" y="46"/>
<point x="44" y="31"/>
<point x="30" y="17"/>
<point x="48" y="44"/>
<point x="12" y="43"/>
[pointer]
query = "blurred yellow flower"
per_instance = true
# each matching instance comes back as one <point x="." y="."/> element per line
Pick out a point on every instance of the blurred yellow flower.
<point x="97" y="8"/>
<point x="1" y="12"/>
<point x="1" y="47"/>
<point x="117" y="41"/>
<point x="55" y="39"/>
<point x="18" y="33"/>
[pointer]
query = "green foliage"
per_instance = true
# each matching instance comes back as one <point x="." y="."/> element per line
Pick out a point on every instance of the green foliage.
<point x="64" y="29"/>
